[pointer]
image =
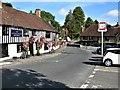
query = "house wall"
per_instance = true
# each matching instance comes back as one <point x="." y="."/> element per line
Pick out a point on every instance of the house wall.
<point x="0" y="50"/>
<point x="109" y="40"/>
<point x="7" y="38"/>
<point x="0" y="34"/>
<point x="12" y="42"/>
<point x="0" y="41"/>
<point x="118" y="39"/>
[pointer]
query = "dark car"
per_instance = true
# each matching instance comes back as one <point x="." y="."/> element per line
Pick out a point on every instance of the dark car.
<point x="104" y="49"/>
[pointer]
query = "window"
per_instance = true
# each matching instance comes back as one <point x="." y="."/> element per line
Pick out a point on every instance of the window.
<point x="91" y="38"/>
<point x="115" y="51"/>
<point x="5" y="30"/>
<point x="34" y="33"/>
<point x="26" y="32"/>
<point x="19" y="48"/>
<point x="106" y="38"/>
<point x="85" y="38"/>
<point x="47" y="34"/>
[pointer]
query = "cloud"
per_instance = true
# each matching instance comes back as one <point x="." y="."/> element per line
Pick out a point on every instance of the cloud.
<point x="63" y="12"/>
<point x="113" y="13"/>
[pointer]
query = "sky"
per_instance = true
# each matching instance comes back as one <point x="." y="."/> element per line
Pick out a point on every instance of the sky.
<point x="102" y="11"/>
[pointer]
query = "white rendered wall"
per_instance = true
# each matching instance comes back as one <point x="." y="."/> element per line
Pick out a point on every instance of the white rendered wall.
<point x="34" y="48"/>
<point x="12" y="49"/>
<point x="0" y="34"/>
<point x="42" y="49"/>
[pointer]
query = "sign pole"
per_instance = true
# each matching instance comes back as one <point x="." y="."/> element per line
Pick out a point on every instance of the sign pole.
<point x="102" y="43"/>
<point x="102" y="28"/>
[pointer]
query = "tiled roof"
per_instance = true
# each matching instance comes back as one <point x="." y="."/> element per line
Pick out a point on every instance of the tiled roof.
<point x="93" y="31"/>
<point x="13" y="17"/>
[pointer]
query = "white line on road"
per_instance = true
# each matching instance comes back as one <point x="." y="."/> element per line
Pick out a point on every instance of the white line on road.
<point x="91" y="76"/>
<point x="84" y="86"/>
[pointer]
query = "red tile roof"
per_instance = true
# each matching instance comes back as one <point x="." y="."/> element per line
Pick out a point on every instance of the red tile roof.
<point x="93" y="31"/>
<point x="13" y="17"/>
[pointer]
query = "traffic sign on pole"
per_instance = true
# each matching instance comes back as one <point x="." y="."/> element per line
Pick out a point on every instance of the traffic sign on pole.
<point x="102" y="28"/>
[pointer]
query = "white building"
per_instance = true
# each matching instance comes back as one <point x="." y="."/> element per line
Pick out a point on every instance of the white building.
<point x="17" y="27"/>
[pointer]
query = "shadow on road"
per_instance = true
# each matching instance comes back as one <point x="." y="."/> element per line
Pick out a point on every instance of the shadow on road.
<point x="74" y="45"/>
<point x="95" y="61"/>
<point x="17" y="78"/>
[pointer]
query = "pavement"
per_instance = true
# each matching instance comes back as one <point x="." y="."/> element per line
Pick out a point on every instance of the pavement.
<point x="32" y="58"/>
<point x="102" y="77"/>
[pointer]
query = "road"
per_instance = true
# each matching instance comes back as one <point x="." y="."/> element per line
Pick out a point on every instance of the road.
<point x="66" y="70"/>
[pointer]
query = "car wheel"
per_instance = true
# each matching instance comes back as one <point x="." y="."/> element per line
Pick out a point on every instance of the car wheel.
<point x="108" y="62"/>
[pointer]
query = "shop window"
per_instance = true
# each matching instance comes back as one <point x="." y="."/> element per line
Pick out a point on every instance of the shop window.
<point x="47" y="34"/>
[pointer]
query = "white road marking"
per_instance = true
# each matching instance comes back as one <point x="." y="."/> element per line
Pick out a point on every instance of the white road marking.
<point x="96" y="69"/>
<point x="94" y="72"/>
<point x="91" y="76"/>
<point x="94" y="86"/>
<point x="84" y="86"/>
<point x="5" y="63"/>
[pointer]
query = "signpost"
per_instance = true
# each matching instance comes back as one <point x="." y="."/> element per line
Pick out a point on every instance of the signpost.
<point x="102" y="28"/>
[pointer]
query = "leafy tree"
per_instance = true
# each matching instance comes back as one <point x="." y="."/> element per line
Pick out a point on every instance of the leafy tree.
<point x="88" y="22"/>
<point x="95" y="22"/>
<point x="7" y="4"/>
<point x="49" y="18"/>
<point x="79" y="15"/>
<point x="74" y="21"/>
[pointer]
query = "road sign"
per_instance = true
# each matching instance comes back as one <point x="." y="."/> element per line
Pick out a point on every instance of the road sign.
<point x="102" y="27"/>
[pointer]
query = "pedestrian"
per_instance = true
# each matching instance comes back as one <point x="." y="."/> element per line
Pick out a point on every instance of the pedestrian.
<point x="23" y="51"/>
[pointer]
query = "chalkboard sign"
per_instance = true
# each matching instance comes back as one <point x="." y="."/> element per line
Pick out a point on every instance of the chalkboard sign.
<point x="16" y="33"/>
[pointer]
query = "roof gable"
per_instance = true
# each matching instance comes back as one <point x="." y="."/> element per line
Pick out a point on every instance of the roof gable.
<point x="93" y="31"/>
<point x="13" y="17"/>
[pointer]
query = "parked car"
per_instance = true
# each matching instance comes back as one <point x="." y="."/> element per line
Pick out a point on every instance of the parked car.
<point x="112" y="56"/>
<point x="104" y="49"/>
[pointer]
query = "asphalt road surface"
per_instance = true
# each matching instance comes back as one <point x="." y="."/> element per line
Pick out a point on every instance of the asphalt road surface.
<point x="66" y="70"/>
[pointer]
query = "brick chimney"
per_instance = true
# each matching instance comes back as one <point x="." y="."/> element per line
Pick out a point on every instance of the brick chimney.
<point x="83" y="28"/>
<point x="0" y="4"/>
<point x="38" y="12"/>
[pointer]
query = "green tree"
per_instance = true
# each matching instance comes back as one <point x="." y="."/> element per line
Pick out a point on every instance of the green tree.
<point x="48" y="17"/>
<point x="79" y="15"/>
<point x="74" y="21"/>
<point x="7" y="4"/>
<point x="96" y="22"/>
<point x="88" y="22"/>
